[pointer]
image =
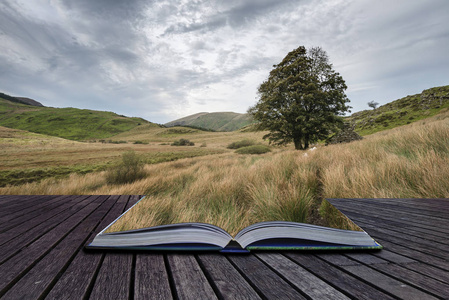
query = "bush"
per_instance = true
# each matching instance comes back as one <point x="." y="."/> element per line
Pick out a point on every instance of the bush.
<point x="129" y="170"/>
<point x="255" y="149"/>
<point x="183" y="142"/>
<point x="241" y="144"/>
<point x="140" y="143"/>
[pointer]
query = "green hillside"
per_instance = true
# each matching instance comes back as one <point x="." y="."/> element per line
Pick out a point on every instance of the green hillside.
<point x="218" y="121"/>
<point x="69" y="123"/>
<point x="402" y="111"/>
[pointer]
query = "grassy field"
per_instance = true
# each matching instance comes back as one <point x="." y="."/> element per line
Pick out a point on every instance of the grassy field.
<point x="27" y="157"/>
<point x="408" y="161"/>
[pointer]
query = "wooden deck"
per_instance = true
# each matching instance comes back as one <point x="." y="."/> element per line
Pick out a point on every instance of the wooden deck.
<point x="42" y="257"/>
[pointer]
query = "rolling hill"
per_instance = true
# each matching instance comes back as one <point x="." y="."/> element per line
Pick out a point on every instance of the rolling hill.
<point x="402" y="111"/>
<point x="217" y="121"/>
<point x="68" y="123"/>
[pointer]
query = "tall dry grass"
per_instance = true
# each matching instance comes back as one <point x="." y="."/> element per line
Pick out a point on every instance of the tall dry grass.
<point x="233" y="191"/>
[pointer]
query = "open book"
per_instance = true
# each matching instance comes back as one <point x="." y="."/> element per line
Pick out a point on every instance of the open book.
<point x="271" y="235"/>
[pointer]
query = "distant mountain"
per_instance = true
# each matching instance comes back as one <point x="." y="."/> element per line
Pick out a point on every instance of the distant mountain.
<point x="21" y="100"/>
<point x="402" y="111"/>
<point x="69" y="123"/>
<point x="218" y="121"/>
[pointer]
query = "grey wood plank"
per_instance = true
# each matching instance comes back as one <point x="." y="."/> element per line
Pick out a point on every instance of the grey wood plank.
<point x="422" y="230"/>
<point x="229" y="283"/>
<point x="190" y="281"/>
<point x="41" y="276"/>
<point x="433" y="205"/>
<point x="416" y="279"/>
<point x="393" y="257"/>
<point x="16" y="202"/>
<point x="387" y="283"/>
<point x="114" y="278"/>
<point x="416" y="244"/>
<point x="408" y="251"/>
<point x="394" y="219"/>
<point x="151" y="278"/>
<point x="75" y="282"/>
<point x="79" y="277"/>
<point x="21" y="235"/>
<point x="263" y="279"/>
<point x="336" y="277"/>
<point x="20" y="209"/>
<point x="404" y="214"/>
<point x="22" y="261"/>
<point x="120" y="263"/>
<point x="305" y="281"/>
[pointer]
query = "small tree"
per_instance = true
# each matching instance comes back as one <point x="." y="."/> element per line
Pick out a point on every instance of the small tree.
<point x="302" y="99"/>
<point x="373" y="104"/>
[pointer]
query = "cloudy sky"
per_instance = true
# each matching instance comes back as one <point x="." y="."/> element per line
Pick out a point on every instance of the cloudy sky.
<point x="165" y="59"/>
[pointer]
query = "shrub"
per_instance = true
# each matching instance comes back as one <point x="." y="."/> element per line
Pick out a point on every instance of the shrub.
<point x="140" y="143"/>
<point x="241" y="144"/>
<point x="183" y="142"/>
<point x="255" y="149"/>
<point x="129" y="170"/>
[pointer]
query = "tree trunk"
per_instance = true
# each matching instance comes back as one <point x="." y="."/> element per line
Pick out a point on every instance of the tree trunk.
<point x="298" y="144"/>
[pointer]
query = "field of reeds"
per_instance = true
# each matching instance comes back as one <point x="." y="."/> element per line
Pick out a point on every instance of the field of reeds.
<point x="232" y="190"/>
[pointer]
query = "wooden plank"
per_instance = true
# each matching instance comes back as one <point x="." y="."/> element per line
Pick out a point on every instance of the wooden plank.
<point x="17" y="265"/>
<point x="43" y="212"/>
<point x="427" y="231"/>
<point x="416" y="244"/>
<point x="22" y="225"/>
<point x="114" y="279"/>
<point x="17" y="200"/>
<point x="406" y="220"/>
<point x="433" y="205"/>
<point x="391" y="285"/>
<point x="229" y="283"/>
<point x="151" y="278"/>
<point x="39" y="279"/>
<point x="7" y="201"/>
<point x="263" y="279"/>
<point x="77" y="280"/>
<point x="416" y="279"/>
<point x="189" y="280"/>
<point x="336" y="277"/>
<point x="306" y="282"/>
<point x="33" y="230"/>
<point x="408" y="251"/>
<point x="20" y="209"/>
<point x="115" y="263"/>
<point x="412" y="217"/>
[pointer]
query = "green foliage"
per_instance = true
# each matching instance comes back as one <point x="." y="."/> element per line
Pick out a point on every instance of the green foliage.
<point x="182" y="142"/>
<point x="129" y="170"/>
<point x="301" y="100"/>
<point x="255" y="149"/>
<point x="68" y="123"/>
<point x="241" y="144"/>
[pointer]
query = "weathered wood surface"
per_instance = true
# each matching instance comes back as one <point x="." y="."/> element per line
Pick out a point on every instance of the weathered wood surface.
<point x="42" y="256"/>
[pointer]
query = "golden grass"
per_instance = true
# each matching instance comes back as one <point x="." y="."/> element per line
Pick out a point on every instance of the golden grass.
<point x="233" y="191"/>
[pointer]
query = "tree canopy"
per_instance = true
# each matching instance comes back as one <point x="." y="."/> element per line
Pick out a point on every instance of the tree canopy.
<point x="302" y="100"/>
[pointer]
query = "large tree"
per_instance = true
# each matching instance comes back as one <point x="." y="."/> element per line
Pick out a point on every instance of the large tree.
<point x="302" y="100"/>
